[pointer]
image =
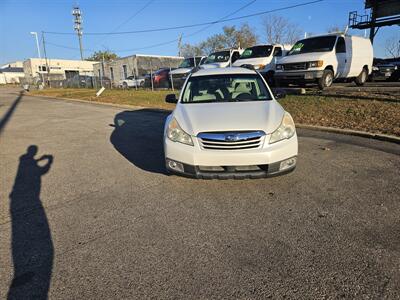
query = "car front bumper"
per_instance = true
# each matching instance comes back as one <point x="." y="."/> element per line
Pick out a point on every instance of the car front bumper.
<point x="299" y="75"/>
<point x="268" y="160"/>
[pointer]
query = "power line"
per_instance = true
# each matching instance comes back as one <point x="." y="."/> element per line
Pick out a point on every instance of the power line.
<point x="190" y="34"/>
<point x="192" y="25"/>
<point x="162" y="43"/>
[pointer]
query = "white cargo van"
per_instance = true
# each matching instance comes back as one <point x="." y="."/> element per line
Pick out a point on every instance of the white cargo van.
<point x="326" y="58"/>
<point x="262" y="57"/>
<point x="221" y="59"/>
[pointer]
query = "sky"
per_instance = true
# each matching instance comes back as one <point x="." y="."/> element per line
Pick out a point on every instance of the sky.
<point x="19" y="18"/>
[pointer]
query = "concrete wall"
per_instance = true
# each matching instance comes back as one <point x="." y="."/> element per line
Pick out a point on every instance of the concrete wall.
<point x="138" y="65"/>
<point x="10" y="77"/>
<point x="57" y="67"/>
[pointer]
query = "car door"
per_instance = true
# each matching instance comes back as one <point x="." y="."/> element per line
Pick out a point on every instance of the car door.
<point x="341" y="58"/>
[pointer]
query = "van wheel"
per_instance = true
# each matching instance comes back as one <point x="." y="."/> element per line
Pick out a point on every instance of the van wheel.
<point x="326" y="79"/>
<point x="362" y="78"/>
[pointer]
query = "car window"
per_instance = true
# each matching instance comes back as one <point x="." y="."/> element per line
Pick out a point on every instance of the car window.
<point x="340" y="45"/>
<point x="316" y="44"/>
<point x="221" y="56"/>
<point x="225" y="88"/>
<point x="235" y="56"/>
<point x="256" y="51"/>
<point x="277" y="51"/>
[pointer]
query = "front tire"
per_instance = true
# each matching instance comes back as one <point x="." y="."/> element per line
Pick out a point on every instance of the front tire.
<point x="362" y="78"/>
<point x="125" y="86"/>
<point x="326" y="80"/>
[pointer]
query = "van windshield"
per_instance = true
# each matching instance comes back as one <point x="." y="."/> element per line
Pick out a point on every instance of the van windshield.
<point x="256" y="51"/>
<point x="316" y="44"/>
<point x="225" y="88"/>
<point x="187" y="63"/>
<point x="221" y="56"/>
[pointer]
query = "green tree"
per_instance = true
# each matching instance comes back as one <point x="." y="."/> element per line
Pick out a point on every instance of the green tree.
<point x="100" y="55"/>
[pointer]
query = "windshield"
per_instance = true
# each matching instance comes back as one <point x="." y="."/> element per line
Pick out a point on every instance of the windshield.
<point x="317" y="44"/>
<point x="220" y="56"/>
<point x="187" y="63"/>
<point x="256" y="51"/>
<point x="225" y="88"/>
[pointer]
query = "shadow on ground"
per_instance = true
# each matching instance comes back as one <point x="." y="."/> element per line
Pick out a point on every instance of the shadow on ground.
<point x="138" y="136"/>
<point x="4" y="120"/>
<point x="31" y="244"/>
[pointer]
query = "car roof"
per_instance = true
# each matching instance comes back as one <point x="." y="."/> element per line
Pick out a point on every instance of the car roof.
<point x="223" y="71"/>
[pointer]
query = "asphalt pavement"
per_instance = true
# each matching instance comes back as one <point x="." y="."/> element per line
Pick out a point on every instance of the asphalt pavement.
<point x="87" y="212"/>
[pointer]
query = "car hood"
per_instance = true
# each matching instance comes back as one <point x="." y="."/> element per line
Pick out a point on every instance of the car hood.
<point x="252" y="61"/>
<point x="229" y="116"/>
<point x="214" y="65"/>
<point x="181" y="71"/>
<point x="296" y="58"/>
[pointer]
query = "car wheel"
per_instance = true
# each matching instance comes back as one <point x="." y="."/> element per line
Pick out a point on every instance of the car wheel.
<point x="362" y="78"/>
<point x="326" y="80"/>
<point x="125" y="86"/>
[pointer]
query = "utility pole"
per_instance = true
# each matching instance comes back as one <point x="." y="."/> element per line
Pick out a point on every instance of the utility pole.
<point x="76" y="12"/>
<point x="45" y="57"/>
<point x="179" y="44"/>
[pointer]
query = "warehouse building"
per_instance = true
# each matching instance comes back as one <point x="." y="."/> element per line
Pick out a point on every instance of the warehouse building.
<point x="11" y="75"/>
<point x="138" y="65"/>
<point x="56" y="69"/>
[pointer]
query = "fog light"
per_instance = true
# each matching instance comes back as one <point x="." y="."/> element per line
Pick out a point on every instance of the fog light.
<point x="287" y="164"/>
<point x="174" y="165"/>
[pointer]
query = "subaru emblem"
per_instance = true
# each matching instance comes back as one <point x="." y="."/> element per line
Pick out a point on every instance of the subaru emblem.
<point x="231" y="137"/>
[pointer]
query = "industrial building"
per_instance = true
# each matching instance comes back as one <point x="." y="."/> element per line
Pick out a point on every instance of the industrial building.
<point x="11" y="74"/>
<point x="55" y="69"/>
<point x="138" y="65"/>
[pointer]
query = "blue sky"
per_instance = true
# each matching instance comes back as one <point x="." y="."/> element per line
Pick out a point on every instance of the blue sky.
<point x="21" y="17"/>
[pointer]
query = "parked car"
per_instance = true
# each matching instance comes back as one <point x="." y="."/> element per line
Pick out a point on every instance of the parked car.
<point x="385" y="70"/>
<point x="179" y="75"/>
<point x="263" y="58"/>
<point x="131" y="82"/>
<point x="227" y="124"/>
<point x="221" y="59"/>
<point x="161" y="79"/>
<point x="323" y="59"/>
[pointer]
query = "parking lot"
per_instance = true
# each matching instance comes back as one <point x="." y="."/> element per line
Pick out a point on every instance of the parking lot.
<point x="103" y="220"/>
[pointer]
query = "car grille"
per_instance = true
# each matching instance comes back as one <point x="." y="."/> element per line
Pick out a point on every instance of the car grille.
<point x="231" y="140"/>
<point x="295" y="66"/>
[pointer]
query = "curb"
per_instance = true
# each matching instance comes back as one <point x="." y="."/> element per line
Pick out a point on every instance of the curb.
<point x="364" y="134"/>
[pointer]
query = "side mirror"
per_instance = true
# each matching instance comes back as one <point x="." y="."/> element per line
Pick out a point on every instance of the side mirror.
<point x="279" y="94"/>
<point x="171" y="98"/>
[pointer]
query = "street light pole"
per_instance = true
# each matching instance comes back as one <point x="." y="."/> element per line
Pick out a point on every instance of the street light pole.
<point x="38" y="50"/>
<point x="37" y="42"/>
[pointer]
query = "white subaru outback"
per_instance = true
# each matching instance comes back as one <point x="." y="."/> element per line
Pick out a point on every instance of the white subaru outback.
<point x="227" y="124"/>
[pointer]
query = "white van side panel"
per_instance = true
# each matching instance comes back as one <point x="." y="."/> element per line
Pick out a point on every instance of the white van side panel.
<point x="360" y="54"/>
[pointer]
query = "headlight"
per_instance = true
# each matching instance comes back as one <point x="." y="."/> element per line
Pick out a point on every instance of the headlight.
<point x="176" y="134"/>
<point x="285" y="131"/>
<point x="279" y="67"/>
<point x="259" y="67"/>
<point x="375" y="69"/>
<point x="315" y="64"/>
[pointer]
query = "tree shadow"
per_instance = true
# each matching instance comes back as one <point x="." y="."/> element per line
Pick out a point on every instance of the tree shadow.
<point x="32" y="246"/>
<point x="138" y="136"/>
